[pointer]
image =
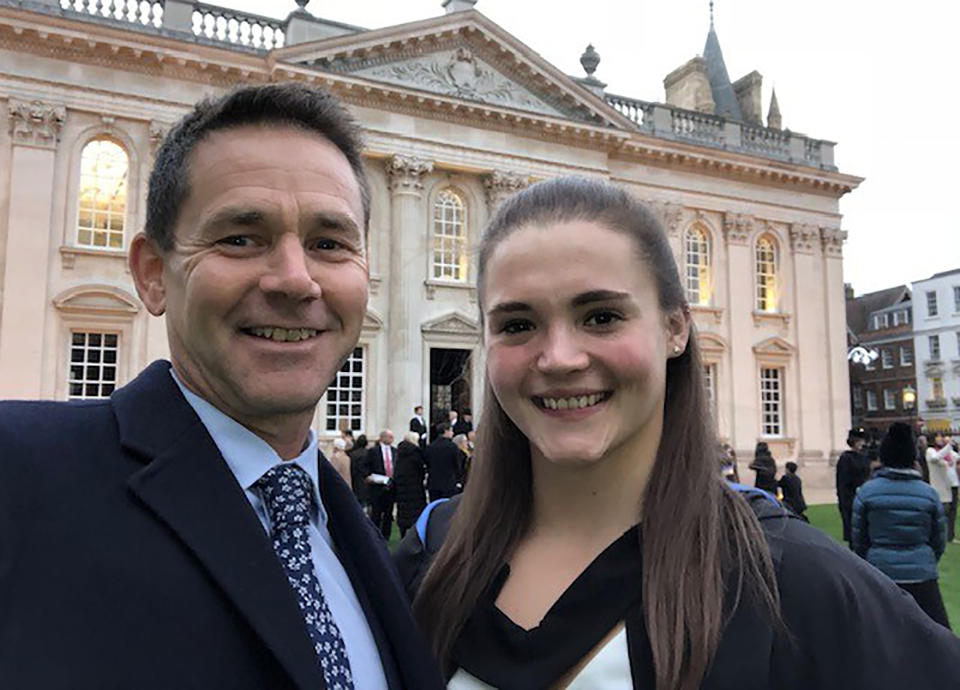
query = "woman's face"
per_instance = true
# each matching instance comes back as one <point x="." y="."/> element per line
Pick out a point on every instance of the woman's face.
<point x="576" y="344"/>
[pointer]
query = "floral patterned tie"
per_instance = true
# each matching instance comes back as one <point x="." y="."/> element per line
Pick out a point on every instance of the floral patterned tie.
<point x="287" y="492"/>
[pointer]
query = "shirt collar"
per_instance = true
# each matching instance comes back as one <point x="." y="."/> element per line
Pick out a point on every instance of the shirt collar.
<point x="247" y="455"/>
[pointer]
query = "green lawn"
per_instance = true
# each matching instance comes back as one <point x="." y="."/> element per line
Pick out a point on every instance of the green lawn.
<point x="827" y="518"/>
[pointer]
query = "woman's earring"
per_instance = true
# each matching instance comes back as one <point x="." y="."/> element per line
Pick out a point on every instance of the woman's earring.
<point x="676" y="349"/>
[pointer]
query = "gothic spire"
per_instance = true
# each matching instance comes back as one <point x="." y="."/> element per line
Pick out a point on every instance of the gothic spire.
<point x="723" y="96"/>
<point x="774" y="120"/>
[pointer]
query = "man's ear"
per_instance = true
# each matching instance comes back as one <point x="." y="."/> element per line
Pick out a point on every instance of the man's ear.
<point x="146" y="266"/>
<point x="678" y="330"/>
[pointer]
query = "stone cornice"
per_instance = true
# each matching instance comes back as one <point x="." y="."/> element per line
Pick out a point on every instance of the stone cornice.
<point x="35" y="123"/>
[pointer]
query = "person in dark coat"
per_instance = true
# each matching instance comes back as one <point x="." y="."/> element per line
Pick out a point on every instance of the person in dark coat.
<point x="357" y="456"/>
<point x="765" y="467"/>
<point x="853" y="469"/>
<point x="464" y="424"/>
<point x="408" y="481"/>
<point x="791" y="486"/>
<point x="443" y="465"/>
<point x="899" y="525"/>
<point x="379" y="466"/>
<point x="418" y="425"/>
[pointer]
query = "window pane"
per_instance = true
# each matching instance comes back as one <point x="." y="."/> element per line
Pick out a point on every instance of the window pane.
<point x="101" y="201"/>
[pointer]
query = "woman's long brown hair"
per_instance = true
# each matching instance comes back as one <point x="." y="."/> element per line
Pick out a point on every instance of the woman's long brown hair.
<point x="699" y="537"/>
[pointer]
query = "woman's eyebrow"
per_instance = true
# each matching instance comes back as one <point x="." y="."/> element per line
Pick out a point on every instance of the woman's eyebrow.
<point x="599" y="296"/>
<point x="509" y="308"/>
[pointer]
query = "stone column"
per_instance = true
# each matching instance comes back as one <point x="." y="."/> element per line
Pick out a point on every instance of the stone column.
<point x="744" y="417"/>
<point x="812" y="395"/>
<point x="407" y="270"/>
<point x="501" y="185"/>
<point x="831" y="240"/>
<point x="34" y="130"/>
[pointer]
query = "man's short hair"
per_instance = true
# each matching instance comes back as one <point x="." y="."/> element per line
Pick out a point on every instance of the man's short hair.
<point x="288" y="104"/>
<point x="443" y="427"/>
<point x="791" y="467"/>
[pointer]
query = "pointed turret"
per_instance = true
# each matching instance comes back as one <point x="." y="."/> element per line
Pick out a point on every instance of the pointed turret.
<point x="774" y="120"/>
<point x="723" y="94"/>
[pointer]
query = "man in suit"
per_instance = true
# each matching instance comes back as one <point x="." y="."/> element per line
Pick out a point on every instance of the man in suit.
<point x="418" y="425"/>
<point x="444" y="465"/>
<point x="186" y="533"/>
<point x="378" y="474"/>
<point x="463" y="425"/>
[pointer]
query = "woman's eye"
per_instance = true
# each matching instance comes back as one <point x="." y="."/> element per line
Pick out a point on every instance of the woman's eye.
<point x="513" y="327"/>
<point x="603" y="318"/>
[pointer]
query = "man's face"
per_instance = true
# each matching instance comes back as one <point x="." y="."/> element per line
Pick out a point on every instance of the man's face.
<point x="266" y="287"/>
<point x="418" y="411"/>
<point x="386" y="438"/>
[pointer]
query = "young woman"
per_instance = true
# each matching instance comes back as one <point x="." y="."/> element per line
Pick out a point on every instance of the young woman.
<point x="596" y="545"/>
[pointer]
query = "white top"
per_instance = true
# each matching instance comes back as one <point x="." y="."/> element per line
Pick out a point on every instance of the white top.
<point x="609" y="669"/>
<point x="940" y="463"/>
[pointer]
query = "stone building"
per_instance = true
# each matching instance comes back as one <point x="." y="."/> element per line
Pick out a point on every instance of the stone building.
<point x="458" y="114"/>
<point x="936" y="336"/>
<point x="883" y="387"/>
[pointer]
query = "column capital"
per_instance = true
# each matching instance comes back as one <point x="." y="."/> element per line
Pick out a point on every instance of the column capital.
<point x="158" y="132"/>
<point x="502" y="184"/>
<point x="406" y="173"/>
<point x="668" y="213"/>
<point x="832" y="241"/>
<point x="35" y="123"/>
<point x="803" y="237"/>
<point x="737" y="227"/>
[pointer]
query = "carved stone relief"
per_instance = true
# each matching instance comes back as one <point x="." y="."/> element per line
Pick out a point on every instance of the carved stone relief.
<point x="737" y="227"/>
<point x="832" y="240"/>
<point x="459" y="73"/>
<point x="406" y="173"/>
<point x="669" y="213"/>
<point x="35" y="123"/>
<point x="803" y="238"/>
<point x="500" y="185"/>
<point x="158" y="132"/>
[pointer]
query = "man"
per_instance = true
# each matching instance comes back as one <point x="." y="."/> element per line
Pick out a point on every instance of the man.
<point x="379" y="467"/>
<point x="443" y="465"/>
<point x="791" y="487"/>
<point x="152" y="540"/>
<point x="853" y="469"/>
<point x="463" y="425"/>
<point x="942" y="465"/>
<point x="418" y="425"/>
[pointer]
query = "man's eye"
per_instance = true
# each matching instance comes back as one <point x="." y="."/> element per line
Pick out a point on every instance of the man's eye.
<point x="236" y="241"/>
<point x="326" y="244"/>
<point x="603" y="318"/>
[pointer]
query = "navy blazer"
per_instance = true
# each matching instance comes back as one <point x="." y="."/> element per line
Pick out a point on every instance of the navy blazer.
<point x="131" y="558"/>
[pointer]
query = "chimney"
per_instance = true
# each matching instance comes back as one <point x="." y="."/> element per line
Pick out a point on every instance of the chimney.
<point x="451" y="6"/>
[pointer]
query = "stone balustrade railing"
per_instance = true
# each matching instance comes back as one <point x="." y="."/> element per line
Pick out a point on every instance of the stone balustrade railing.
<point x="668" y="122"/>
<point x="144" y="12"/>
<point x="239" y="28"/>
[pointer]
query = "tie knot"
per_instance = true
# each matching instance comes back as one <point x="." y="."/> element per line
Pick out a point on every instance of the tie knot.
<point x="287" y="492"/>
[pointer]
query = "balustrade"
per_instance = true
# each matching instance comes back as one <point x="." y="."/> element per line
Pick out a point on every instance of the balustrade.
<point x="144" y="12"/>
<point x="238" y="28"/>
<point x="633" y="109"/>
<point x="767" y="142"/>
<point x="689" y="124"/>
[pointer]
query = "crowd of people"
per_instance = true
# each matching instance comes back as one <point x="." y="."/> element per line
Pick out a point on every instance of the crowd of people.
<point x="188" y="532"/>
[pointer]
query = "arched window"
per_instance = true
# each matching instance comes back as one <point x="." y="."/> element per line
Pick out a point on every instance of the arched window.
<point x="698" y="260"/>
<point x="766" y="274"/>
<point x="449" y="237"/>
<point x="102" y="201"/>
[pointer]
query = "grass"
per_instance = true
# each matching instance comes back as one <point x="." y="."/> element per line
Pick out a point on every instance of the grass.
<point x="827" y="518"/>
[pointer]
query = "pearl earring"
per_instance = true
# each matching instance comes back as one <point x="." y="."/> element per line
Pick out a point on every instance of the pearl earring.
<point x="676" y="349"/>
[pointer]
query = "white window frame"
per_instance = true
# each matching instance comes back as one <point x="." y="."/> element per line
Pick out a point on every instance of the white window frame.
<point x="889" y="399"/>
<point x="698" y="263"/>
<point x="932" y="309"/>
<point x="872" y="401"/>
<point x="886" y="358"/>
<point x="345" y="392"/>
<point x="87" y="365"/>
<point x="906" y="356"/>
<point x="449" y="259"/>
<point x="766" y="275"/>
<point x="933" y="342"/>
<point x="111" y="214"/>
<point x="772" y="417"/>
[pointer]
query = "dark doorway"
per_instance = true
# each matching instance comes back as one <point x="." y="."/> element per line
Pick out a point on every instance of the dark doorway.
<point x="449" y="384"/>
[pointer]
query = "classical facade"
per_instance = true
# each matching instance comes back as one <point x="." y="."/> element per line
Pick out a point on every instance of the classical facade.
<point x="883" y="381"/>
<point x="936" y="337"/>
<point x="458" y="114"/>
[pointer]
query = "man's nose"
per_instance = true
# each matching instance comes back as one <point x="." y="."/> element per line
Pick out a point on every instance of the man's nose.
<point x="562" y="352"/>
<point x="288" y="271"/>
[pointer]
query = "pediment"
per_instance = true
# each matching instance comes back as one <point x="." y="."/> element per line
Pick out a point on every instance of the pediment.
<point x="711" y="343"/>
<point x="774" y="347"/>
<point x="463" y="56"/>
<point x="104" y="299"/>
<point x="372" y="321"/>
<point x="454" y="323"/>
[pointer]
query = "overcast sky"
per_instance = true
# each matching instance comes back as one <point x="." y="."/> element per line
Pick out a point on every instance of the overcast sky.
<point x="879" y="78"/>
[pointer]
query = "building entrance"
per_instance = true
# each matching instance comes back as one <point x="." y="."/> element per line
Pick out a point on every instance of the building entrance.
<point x="450" y="376"/>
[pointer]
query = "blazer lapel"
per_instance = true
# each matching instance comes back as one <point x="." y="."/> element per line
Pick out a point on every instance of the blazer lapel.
<point x="188" y="486"/>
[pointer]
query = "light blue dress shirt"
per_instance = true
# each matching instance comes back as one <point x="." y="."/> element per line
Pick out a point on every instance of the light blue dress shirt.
<point x="248" y="456"/>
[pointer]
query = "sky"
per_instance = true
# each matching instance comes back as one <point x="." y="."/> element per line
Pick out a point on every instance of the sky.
<point x="878" y="78"/>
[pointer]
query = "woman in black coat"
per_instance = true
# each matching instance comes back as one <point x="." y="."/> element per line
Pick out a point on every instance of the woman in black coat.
<point x="766" y="468"/>
<point x="408" y="481"/>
